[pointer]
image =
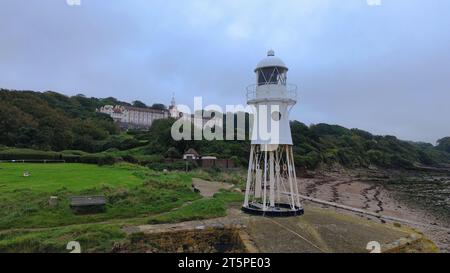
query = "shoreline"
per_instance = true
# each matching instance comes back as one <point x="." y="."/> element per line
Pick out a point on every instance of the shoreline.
<point x="353" y="188"/>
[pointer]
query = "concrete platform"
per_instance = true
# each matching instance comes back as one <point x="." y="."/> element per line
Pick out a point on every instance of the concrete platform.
<point x="319" y="230"/>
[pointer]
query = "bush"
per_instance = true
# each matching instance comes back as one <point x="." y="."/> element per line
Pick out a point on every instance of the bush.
<point x="99" y="159"/>
<point x="130" y="159"/>
<point x="398" y="161"/>
<point x="71" y="158"/>
<point x="175" y="166"/>
<point x="310" y="161"/>
<point x="444" y="144"/>
<point x="107" y="160"/>
<point x="89" y="159"/>
<point x="27" y="154"/>
<point x="172" y="152"/>
<point x="129" y="143"/>
<point x="149" y="159"/>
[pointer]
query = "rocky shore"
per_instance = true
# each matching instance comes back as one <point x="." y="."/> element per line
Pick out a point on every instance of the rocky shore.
<point x="373" y="190"/>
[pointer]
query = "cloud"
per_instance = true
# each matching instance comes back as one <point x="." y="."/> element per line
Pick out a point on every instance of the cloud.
<point x="382" y="69"/>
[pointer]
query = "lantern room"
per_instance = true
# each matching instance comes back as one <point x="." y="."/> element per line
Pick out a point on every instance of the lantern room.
<point x="271" y="70"/>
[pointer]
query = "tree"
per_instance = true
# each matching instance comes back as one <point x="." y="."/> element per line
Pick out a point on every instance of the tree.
<point x="52" y="121"/>
<point x="172" y="152"/>
<point x="139" y="104"/>
<point x="110" y="101"/>
<point x="12" y="120"/>
<point x="444" y="144"/>
<point x="159" y="106"/>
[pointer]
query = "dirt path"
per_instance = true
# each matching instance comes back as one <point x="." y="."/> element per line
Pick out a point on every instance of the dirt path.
<point x="208" y="188"/>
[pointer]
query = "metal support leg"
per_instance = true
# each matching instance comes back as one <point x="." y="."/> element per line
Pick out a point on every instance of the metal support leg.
<point x="265" y="180"/>
<point x="272" y="179"/>
<point x="249" y="176"/>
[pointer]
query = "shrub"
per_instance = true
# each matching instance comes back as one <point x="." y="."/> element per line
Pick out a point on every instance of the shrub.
<point x="398" y="161"/>
<point x="130" y="159"/>
<point x="71" y="158"/>
<point x="107" y="160"/>
<point x="99" y="159"/>
<point x="129" y="143"/>
<point x="177" y="165"/>
<point x="27" y="154"/>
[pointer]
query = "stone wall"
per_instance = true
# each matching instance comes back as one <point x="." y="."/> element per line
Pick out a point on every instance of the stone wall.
<point x="207" y="240"/>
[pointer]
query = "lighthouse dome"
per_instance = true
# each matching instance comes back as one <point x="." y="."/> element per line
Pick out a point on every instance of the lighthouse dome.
<point x="271" y="61"/>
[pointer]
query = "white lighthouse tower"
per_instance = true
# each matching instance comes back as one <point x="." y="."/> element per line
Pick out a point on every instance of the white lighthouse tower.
<point x="272" y="188"/>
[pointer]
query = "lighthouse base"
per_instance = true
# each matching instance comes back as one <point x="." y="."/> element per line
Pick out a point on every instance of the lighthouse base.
<point x="272" y="186"/>
<point x="280" y="210"/>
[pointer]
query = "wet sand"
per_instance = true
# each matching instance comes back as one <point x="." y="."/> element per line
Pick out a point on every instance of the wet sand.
<point x="352" y="188"/>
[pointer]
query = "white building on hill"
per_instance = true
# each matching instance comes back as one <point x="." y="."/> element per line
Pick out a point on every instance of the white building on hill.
<point x="128" y="116"/>
<point x="143" y="118"/>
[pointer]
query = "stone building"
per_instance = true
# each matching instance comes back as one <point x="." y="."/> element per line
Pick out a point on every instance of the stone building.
<point x="142" y="118"/>
<point x="134" y="117"/>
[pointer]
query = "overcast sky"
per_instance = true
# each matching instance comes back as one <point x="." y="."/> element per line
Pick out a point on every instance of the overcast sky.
<point x="384" y="68"/>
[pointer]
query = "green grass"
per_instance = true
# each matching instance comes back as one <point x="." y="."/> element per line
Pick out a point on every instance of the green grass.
<point x="237" y="177"/>
<point x="73" y="177"/>
<point x="92" y="238"/>
<point x="199" y="209"/>
<point x="131" y="191"/>
<point x="135" y="195"/>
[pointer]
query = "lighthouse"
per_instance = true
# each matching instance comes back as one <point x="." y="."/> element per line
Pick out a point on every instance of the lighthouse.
<point x="271" y="188"/>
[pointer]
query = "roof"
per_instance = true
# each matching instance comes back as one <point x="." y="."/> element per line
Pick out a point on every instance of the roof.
<point x="120" y="108"/>
<point x="208" y="157"/>
<point x="151" y="110"/>
<point x="192" y="151"/>
<point x="270" y="61"/>
<point x="80" y="201"/>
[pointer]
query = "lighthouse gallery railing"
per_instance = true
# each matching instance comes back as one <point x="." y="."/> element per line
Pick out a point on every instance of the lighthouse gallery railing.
<point x="289" y="93"/>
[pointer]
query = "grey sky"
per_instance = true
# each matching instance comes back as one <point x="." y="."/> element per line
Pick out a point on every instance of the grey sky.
<point x="384" y="69"/>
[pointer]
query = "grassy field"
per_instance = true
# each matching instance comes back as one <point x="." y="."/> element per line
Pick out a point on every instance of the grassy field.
<point x="92" y="238"/>
<point x="73" y="177"/>
<point x="131" y="191"/>
<point x="199" y="209"/>
<point x="103" y="237"/>
<point x="135" y="195"/>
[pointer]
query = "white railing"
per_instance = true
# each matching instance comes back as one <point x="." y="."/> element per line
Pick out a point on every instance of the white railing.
<point x="289" y="93"/>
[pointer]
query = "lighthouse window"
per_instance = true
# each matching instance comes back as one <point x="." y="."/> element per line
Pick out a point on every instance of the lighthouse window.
<point x="276" y="116"/>
<point x="271" y="75"/>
